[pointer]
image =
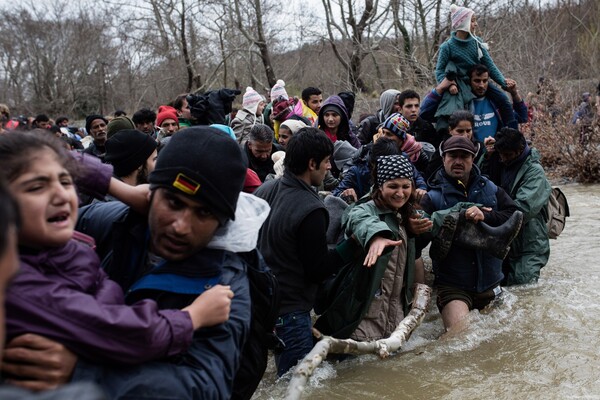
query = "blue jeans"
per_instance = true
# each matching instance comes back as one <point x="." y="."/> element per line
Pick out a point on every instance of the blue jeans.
<point x="295" y="329"/>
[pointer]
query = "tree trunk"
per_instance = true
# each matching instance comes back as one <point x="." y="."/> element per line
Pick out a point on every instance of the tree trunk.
<point x="261" y="43"/>
<point x="186" y="55"/>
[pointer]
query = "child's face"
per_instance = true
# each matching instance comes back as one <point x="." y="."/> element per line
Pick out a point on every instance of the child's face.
<point x="473" y="24"/>
<point x="47" y="200"/>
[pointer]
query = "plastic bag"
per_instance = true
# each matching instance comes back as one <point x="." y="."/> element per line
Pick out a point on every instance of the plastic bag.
<point x="241" y="235"/>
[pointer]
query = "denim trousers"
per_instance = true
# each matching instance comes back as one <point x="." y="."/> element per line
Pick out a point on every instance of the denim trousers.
<point x="295" y="330"/>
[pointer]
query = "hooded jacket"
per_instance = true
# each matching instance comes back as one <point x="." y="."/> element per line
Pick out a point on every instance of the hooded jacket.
<point x="344" y="132"/>
<point x="368" y="126"/>
<point x="62" y="293"/>
<point x="530" y="250"/>
<point x="242" y="124"/>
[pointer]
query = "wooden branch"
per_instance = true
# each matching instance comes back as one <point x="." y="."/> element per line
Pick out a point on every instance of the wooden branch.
<point x="382" y="347"/>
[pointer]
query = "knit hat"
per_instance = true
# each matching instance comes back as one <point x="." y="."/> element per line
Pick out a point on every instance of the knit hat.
<point x="456" y="143"/>
<point x="128" y="149"/>
<point x="118" y="124"/>
<point x="251" y="100"/>
<point x="393" y="167"/>
<point x="90" y="118"/>
<point x="279" y="90"/>
<point x="205" y="164"/>
<point x="331" y="107"/>
<point x="461" y="18"/>
<point x="293" y="125"/>
<point x="166" y="112"/>
<point x="282" y="108"/>
<point x="397" y="124"/>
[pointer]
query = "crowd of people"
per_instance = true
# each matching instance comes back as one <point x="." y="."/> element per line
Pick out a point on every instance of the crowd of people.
<point x="132" y="236"/>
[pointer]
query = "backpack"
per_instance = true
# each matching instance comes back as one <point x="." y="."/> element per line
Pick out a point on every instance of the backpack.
<point x="264" y="293"/>
<point x="557" y="213"/>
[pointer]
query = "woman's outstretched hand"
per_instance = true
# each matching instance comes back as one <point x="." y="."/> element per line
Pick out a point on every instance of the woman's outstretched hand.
<point x="378" y="244"/>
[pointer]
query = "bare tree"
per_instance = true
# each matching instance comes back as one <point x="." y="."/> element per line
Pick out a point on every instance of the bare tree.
<point x="361" y="30"/>
<point x="250" y="23"/>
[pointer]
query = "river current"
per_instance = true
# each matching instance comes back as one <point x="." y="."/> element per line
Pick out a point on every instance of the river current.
<point x="541" y="342"/>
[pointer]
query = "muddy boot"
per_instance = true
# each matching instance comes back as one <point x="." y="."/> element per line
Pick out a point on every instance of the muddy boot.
<point x="440" y="245"/>
<point x="493" y="240"/>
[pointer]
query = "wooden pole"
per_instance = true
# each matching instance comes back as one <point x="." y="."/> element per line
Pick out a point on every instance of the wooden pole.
<point x="382" y="347"/>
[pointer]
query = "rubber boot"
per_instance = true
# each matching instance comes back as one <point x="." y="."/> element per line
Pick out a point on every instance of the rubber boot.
<point x="440" y="244"/>
<point x="493" y="240"/>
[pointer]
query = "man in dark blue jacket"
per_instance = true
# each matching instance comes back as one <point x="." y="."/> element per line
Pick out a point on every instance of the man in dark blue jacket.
<point x="466" y="278"/>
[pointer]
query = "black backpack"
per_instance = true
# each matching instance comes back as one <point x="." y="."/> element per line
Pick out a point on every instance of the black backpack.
<point x="264" y="294"/>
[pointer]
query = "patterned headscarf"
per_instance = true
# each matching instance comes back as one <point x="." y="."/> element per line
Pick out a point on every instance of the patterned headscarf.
<point x="393" y="167"/>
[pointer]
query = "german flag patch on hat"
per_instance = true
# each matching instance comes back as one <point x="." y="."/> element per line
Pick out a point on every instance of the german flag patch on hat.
<point x="186" y="184"/>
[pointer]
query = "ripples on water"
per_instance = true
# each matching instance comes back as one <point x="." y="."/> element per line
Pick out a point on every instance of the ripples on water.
<point x="540" y="342"/>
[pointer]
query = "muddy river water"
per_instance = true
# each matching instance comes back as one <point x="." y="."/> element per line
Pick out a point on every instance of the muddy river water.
<point x="541" y="342"/>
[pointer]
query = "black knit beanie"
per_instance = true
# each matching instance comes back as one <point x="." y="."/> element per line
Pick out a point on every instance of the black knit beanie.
<point x="205" y="164"/>
<point x="127" y="150"/>
<point x="90" y="118"/>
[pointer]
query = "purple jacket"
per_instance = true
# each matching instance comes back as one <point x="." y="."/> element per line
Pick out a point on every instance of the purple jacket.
<point x="62" y="293"/>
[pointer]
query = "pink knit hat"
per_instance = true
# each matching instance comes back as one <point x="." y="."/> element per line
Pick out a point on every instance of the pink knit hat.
<point x="251" y="100"/>
<point x="461" y="18"/>
<point x="279" y="90"/>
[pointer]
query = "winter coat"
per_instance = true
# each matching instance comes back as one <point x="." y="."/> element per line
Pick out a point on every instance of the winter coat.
<point x="368" y="126"/>
<point x="464" y="53"/>
<point x="471" y="270"/>
<point x="242" y="123"/>
<point x="450" y="102"/>
<point x="207" y="369"/>
<point x="368" y="303"/>
<point x="530" y="250"/>
<point x="62" y="293"/>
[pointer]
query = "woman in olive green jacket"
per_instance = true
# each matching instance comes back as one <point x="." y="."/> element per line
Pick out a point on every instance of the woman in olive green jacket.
<point x="370" y="296"/>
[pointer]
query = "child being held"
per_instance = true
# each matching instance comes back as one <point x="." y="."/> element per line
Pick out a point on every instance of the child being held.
<point x="456" y="57"/>
<point x="60" y="291"/>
